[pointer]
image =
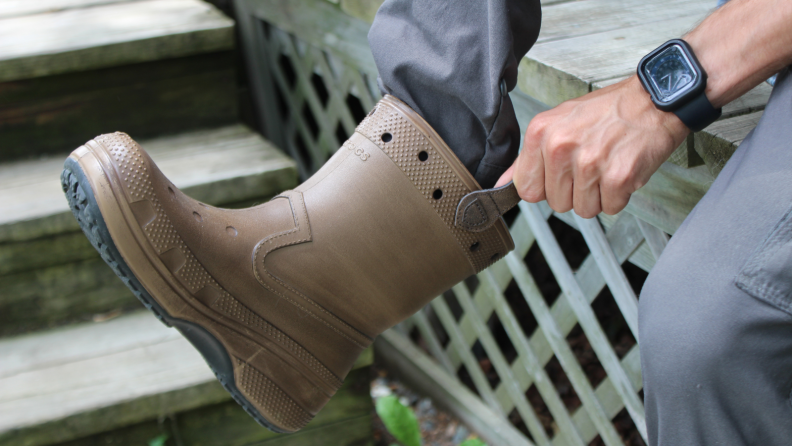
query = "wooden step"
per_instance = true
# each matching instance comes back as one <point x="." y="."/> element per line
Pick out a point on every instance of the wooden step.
<point x="70" y="69"/>
<point x="95" y="378"/>
<point x="49" y="273"/>
<point x="100" y="35"/>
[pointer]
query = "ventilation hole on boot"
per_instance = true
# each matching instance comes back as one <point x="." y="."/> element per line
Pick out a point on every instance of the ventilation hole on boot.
<point x="387" y="137"/>
<point x="437" y="194"/>
<point x="475" y="246"/>
<point x="494" y="257"/>
<point x="423" y="156"/>
<point x="170" y="190"/>
<point x="231" y="231"/>
<point x="197" y="217"/>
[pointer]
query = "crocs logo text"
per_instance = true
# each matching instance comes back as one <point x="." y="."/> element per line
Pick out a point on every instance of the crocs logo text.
<point x="357" y="151"/>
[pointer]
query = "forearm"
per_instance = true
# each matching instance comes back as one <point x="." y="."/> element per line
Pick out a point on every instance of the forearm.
<point x="742" y="44"/>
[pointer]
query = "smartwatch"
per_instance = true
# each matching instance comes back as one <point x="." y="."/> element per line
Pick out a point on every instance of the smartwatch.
<point x="676" y="81"/>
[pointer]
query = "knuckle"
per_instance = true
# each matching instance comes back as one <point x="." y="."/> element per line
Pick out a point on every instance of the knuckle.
<point x="587" y="164"/>
<point x="618" y="180"/>
<point x="537" y="127"/>
<point x="531" y="193"/>
<point x="556" y="149"/>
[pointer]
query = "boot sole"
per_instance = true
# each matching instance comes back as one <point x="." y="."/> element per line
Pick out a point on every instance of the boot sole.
<point x="85" y="208"/>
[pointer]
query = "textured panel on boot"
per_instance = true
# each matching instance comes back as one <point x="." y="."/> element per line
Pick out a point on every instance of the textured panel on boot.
<point x="429" y="174"/>
<point x="237" y="310"/>
<point x="264" y="393"/>
<point x="162" y="234"/>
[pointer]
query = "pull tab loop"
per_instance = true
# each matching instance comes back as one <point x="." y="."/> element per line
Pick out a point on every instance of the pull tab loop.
<point x="479" y="210"/>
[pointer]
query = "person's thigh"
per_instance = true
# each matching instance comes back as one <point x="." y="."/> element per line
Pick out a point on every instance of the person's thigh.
<point x="715" y="314"/>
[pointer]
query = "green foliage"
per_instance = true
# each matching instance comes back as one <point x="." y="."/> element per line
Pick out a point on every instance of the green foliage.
<point x="158" y="441"/>
<point x="399" y="420"/>
<point x="473" y="442"/>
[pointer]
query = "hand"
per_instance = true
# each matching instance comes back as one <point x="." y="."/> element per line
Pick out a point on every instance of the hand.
<point x="591" y="153"/>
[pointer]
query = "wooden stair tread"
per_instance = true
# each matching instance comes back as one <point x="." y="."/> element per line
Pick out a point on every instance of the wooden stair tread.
<point x="52" y="375"/>
<point x="105" y="33"/>
<point x="56" y="385"/>
<point x="216" y="166"/>
<point x="18" y="8"/>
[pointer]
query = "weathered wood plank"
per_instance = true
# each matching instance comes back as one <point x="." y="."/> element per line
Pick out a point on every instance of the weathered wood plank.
<point x="17" y="8"/>
<point x="564" y="69"/>
<point x="109" y="35"/>
<point x="216" y="166"/>
<point x="57" y="113"/>
<point x="61" y="294"/>
<point x="717" y="143"/>
<point x="580" y="18"/>
<point x="91" y="378"/>
<point x="425" y="376"/>
<point x="669" y="195"/>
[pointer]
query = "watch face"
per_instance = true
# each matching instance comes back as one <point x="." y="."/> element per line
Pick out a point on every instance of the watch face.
<point x="670" y="74"/>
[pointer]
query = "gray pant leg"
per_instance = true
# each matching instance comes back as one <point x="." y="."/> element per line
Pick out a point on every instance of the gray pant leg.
<point x="453" y="61"/>
<point x="716" y="312"/>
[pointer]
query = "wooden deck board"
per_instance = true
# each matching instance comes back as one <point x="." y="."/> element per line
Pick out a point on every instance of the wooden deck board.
<point x="717" y="143"/>
<point x="225" y="165"/>
<point x="18" y="8"/>
<point x="57" y="385"/>
<point x="559" y="70"/>
<point x="580" y="18"/>
<point x="111" y="34"/>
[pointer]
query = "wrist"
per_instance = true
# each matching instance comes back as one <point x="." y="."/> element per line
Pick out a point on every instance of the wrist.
<point x="719" y="82"/>
<point x="675" y="128"/>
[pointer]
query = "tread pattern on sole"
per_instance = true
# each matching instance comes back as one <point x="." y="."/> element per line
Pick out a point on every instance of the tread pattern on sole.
<point x="85" y="209"/>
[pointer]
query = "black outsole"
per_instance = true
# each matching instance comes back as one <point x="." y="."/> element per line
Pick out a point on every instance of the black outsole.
<point x="85" y="209"/>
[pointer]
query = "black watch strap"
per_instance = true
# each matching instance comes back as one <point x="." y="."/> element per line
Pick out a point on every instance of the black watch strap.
<point x="698" y="113"/>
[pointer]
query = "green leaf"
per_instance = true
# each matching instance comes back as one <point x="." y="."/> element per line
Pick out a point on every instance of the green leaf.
<point x="473" y="442"/>
<point x="158" y="441"/>
<point x="399" y="420"/>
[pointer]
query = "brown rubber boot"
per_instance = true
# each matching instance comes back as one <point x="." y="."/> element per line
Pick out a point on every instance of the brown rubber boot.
<point x="281" y="298"/>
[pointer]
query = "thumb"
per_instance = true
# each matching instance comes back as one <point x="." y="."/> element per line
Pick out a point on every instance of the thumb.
<point x="507" y="176"/>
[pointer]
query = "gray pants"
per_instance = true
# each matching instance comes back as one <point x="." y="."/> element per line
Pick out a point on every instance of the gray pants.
<point x="716" y="312"/>
<point x="453" y="61"/>
<point x="715" y="323"/>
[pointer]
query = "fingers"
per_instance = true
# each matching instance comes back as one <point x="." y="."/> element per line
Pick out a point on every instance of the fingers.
<point x="558" y="177"/>
<point x="586" y="199"/>
<point x="529" y="169"/>
<point x="507" y="176"/>
<point x="615" y="194"/>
